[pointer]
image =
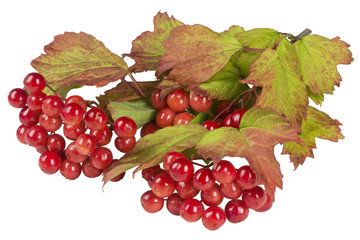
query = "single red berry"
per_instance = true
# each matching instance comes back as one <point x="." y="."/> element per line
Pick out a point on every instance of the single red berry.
<point x="213" y="218"/>
<point x="42" y="149"/>
<point x="181" y="170"/>
<point x="153" y="175"/>
<point x="28" y="117"/>
<point x="149" y="128"/>
<point x="191" y="210"/>
<point x="72" y="114"/>
<point x="178" y="100"/>
<point x="246" y="178"/>
<point x="34" y="101"/>
<point x="72" y="132"/>
<point x="170" y="158"/>
<point x="36" y="136"/>
<point x="17" y="98"/>
<point x="231" y="190"/>
<point x="73" y="155"/>
<point x="212" y="197"/>
<point x="52" y="106"/>
<point x="103" y="136"/>
<point x="89" y="170"/>
<point x="267" y="205"/>
<point x="173" y="203"/>
<point x="224" y="172"/>
<point x="125" y="144"/>
<point x="77" y="99"/>
<point x="20" y="133"/>
<point x="182" y="118"/>
<point x="125" y="127"/>
<point x="157" y="101"/>
<point x="49" y="162"/>
<point x="236" y="211"/>
<point x="186" y="190"/>
<point x="56" y="143"/>
<point x="34" y="82"/>
<point x="96" y="119"/>
<point x="254" y="198"/>
<point x="70" y="170"/>
<point x="200" y="103"/>
<point x="210" y="125"/>
<point x="151" y="203"/>
<point x="50" y="124"/>
<point x="85" y="144"/>
<point x="146" y="173"/>
<point x="203" y="179"/>
<point x="165" y="118"/>
<point x="236" y="117"/>
<point x="227" y="121"/>
<point x="101" y="158"/>
<point x="163" y="185"/>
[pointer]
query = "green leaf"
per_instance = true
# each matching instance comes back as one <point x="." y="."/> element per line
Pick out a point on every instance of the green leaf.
<point x="151" y="149"/>
<point x="260" y="130"/>
<point x="233" y="30"/>
<point x="195" y="53"/>
<point x="148" y="47"/>
<point x="317" y="125"/>
<point x="200" y="118"/>
<point x="283" y="90"/>
<point x="318" y="60"/>
<point x="139" y="110"/>
<point x="258" y="38"/>
<point x="63" y="91"/>
<point x="316" y="98"/>
<point x="79" y="58"/>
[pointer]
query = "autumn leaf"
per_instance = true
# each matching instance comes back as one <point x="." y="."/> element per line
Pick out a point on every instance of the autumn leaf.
<point x="148" y="48"/>
<point x="79" y="58"/>
<point x="195" y="53"/>
<point x="151" y="149"/>
<point x="283" y="91"/>
<point x="317" y="125"/>
<point x="260" y="130"/>
<point x="318" y="60"/>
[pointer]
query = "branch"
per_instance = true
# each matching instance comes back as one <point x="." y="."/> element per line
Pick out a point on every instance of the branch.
<point x="136" y="84"/>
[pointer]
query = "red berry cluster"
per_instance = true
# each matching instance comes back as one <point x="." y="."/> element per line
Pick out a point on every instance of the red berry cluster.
<point x="222" y="181"/>
<point x="42" y="116"/>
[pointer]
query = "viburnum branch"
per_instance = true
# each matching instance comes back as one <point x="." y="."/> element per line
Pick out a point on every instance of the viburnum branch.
<point x="293" y="38"/>
<point x="136" y="84"/>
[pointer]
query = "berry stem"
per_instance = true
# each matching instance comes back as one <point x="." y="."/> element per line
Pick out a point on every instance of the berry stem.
<point x="136" y="84"/>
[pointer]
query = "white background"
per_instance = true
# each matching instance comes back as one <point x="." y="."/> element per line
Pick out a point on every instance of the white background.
<point x="320" y="200"/>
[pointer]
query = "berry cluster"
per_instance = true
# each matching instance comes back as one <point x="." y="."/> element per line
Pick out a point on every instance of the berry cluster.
<point x="222" y="181"/>
<point x="41" y="116"/>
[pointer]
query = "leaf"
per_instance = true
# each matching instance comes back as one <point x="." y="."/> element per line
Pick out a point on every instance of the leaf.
<point x="79" y="58"/>
<point x="168" y="86"/>
<point x="151" y="149"/>
<point x="200" y="118"/>
<point x="316" y="98"/>
<point x="318" y="60"/>
<point x="195" y="53"/>
<point x="317" y="125"/>
<point x="140" y="111"/>
<point x="63" y="91"/>
<point x="233" y="30"/>
<point x="258" y="38"/>
<point x="148" y="48"/>
<point x="283" y="91"/>
<point x="260" y="130"/>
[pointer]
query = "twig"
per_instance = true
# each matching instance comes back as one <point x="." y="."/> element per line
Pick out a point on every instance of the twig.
<point x="136" y="84"/>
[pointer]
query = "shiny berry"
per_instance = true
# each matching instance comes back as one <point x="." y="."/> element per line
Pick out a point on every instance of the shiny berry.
<point x="157" y="101"/>
<point x="170" y="158"/>
<point x="34" y="82"/>
<point x="70" y="170"/>
<point x="89" y="170"/>
<point x="85" y="144"/>
<point x="178" y="100"/>
<point x="245" y="177"/>
<point x="210" y="125"/>
<point x="56" y="143"/>
<point x="173" y="203"/>
<point x="212" y="197"/>
<point x="72" y="114"/>
<point x="50" y="124"/>
<point x="34" y="101"/>
<point x="36" y="136"/>
<point x="149" y="128"/>
<point x="77" y="99"/>
<point x="103" y="136"/>
<point x="28" y="117"/>
<point x="72" y="132"/>
<point x="17" y="98"/>
<point x="101" y="158"/>
<point x="267" y="205"/>
<point x="200" y="103"/>
<point x="151" y="203"/>
<point x="236" y="117"/>
<point x="52" y="106"/>
<point x="163" y="185"/>
<point x="236" y="211"/>
<point x="125" y="127"/>
<point x="96" y="119"/>
<point x="125" y="144"/>
<point x="165" y="118"/>
<point x="73" y="155"/>
<point x="49" y="162"/>
<point x="203" y="179"/>
<point x="182" y="118"/>
<point x="20" y="133"/>
<point x="224" y="172"/>
<point x="254" y="198"/>
<point x="146" y="173"/>
<point x="213" y="218"/>
<point x="186" y="190"/>
<point x="191" y="210"/>
<point x="231" y="190"/>
<point x="181" y="170"/>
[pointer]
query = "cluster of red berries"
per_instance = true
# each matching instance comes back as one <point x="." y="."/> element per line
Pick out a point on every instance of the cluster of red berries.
<point x="223" y="180"/>
<point x="42" y="116"/>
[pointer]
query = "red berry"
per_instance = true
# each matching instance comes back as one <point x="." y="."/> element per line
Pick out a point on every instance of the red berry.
<point x="72" y="132"/>
<point x="267" y="205"/>
<point x="56" y="143"/>
<point x="227" y="121"/>
<point x="73" y="155"/>
<point x="212" y="197"/>
<point x="200" y="103"/>
<point x="146" y="173"/>
<point x="125" y="144"/>
<point x="125" y="127"/>
<point x="103" y="136"/>
<point x="163" y="185"/>
<point x="36" y="136"/>
<point x="191" y="210"/>
<point x="50" y="124"/>
<point x="236" y="117"/>
<point x="186" y="190"/>
<point x="236" y="211"/>
<point x="156" y="101"/>
<point x="101" y="158"/>
<point x="173" y="203"/>
<point x="28" y="117"/>
<point x="181" y="170"/>
<point x="246" y="178"/>
<point x="49" y="162"/>
<point x="89" y="170"/>
<point x="70" y="170"/>
<point x="20" y="133"/>
<point x="254" y="198"/>
<point x="178" y="100"/>
<point x="34" y="101"/>
<point x="96" y="119"/>
<point x="213" y="218"/>
<point x="211" y="125"/>
<point x="165" y="118"/>
<point x="203" y="179"/>
<point x="224" y="172"/>
<point x="151" y="203"/>
<point x="231" y="190"/>
<point x="72" y="114"/>
<point x="182" y="118"/>
<point x="77" y="99"/>
<point x="149" y="128"/>
<point x="170" y="158"/>
<point x="34" y="82"/>
<point x="153" y="175"/>
<point x="17" y="98"/>
<point x="52" y="106"/>
<point x="85" y="144"/>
